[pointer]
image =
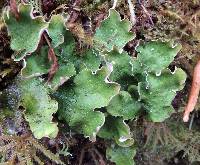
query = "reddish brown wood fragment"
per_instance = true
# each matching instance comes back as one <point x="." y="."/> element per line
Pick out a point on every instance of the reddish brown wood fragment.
<point x="54" y="67"/>
<point x="194" y="93"/>
<point x="52" y="57"/>
<point x="14" y="9"/>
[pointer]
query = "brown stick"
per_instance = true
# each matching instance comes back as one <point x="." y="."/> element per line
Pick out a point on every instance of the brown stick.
<point x="101" y="160"/>
<point x="147" y="13"/>
<point x="14" y="9"/>
<point x="81" y="156"/>
<point x="194" y="93"/>
<point x="52" y="57"/>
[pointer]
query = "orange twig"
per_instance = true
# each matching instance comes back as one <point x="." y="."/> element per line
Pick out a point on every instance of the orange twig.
<point x="194" y="93"/>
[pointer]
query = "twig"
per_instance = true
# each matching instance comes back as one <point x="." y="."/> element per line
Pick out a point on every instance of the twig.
<point x="93" y="156"/>
<point x="77" y="2"/>
<point x="158" y="134"/>
<point x="52" y="57"/>
<point x="114" y="4"/>
<point x="132" y="12"/>
<point x="47" y="40"/>
<point x="173" y="15"/>
<point x="191" y="121"/>
<point x="101" y="160"/>
<point x="193" y="93"/>
<point x="81" y="156"/>
<point x="13" y="8"/>
<point x="147" y="13"/>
